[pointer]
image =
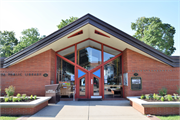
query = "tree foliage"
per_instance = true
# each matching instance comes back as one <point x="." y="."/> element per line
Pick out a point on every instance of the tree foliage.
<point x="7" y="42"/>
<point x="155" y="33"/>
<point x="29" y="36"/>
<point x="66" y="22"/>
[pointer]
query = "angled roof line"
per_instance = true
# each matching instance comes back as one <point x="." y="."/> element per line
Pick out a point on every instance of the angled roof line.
<point x="89" y="19"/>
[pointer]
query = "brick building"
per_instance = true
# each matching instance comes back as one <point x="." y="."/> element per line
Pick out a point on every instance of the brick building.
<point x="90" y="59"/>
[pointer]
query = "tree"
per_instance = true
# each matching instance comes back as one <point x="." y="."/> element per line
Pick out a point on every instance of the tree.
<point x="7" y="42"/>
<point x="29" y="36"/>
<point x="66" y="22"/>
<point x="155" y="33"/>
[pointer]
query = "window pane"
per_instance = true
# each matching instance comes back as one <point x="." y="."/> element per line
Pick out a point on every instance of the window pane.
<point x="82" y="87"/>
<point x="89" y="54"/>
<point x="68" y="53"/>
<point x="113" y="79"/>
<point x="95" y="86"/>
<point x="65" y="77"/>
<point x="109" y="53"/>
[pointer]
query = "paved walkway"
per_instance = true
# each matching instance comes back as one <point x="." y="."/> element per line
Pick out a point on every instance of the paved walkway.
<point x="89" y="110"/>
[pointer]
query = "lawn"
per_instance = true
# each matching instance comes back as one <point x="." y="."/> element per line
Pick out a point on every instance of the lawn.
<point x="8" y="118"/>
<point x="176" y="117"/>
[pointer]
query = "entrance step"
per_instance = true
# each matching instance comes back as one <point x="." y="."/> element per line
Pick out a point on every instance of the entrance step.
<point x="90" y="99"/>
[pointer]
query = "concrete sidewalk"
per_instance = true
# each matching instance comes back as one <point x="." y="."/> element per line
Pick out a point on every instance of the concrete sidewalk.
<point x="89" y="110"/>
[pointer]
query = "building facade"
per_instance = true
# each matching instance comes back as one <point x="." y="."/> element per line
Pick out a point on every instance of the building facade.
<point x="90" y="59"/>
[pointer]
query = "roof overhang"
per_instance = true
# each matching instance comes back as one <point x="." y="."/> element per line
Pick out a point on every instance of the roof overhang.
<point x="88" y="23"/>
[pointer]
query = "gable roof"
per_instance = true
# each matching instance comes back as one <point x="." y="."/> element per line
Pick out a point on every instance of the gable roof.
<point x="89" y="19"/>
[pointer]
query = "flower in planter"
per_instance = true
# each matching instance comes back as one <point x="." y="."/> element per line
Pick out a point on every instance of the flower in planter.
<point x="15" y="99"/>
<point x="35" y="97"/>
<point x="175" y="96"/>
<point x="10" y="90"/>
<point x="31" y="97"/>
<point x="158" y="97"/>
<point x="18" y="95"/>
<point x="162" y="99"/>
<point x="154" y="96"/>
<point x="23" y="96"/>
<point x="11" y="98"/>
<point x="6" y="99"/>
<point x="142" y="96"/>
<point x="19" y="99"/>
<point x="163" y="91"/>
<point x="147" y="96"/>
<point x="169" y="97"/>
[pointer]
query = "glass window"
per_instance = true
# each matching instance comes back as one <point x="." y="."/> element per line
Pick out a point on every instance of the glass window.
<point x="109" y="53"/>
<point x="65" y="77"/>
<point x="89" y="54"/>
<point x="113" y="79"/>
<point x="82" y="87"/>
<point x="68" y="53"/>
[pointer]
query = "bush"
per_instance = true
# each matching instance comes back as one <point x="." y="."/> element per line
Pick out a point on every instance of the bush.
<point x="26" y="98"/>
<point x="142" y="96"/>
<point x="175" y="96"/>
<point x="35" y="97"/>
<point x="10" y="90"/>
<point x="151" y="96"/>
<point x="31" y="97"/>
<point x="6" y="99"/>
<point x="23" y="96"/>
<point x="19" y="99"/>
<point x="169" y="97"/>
<point x="154" y="96"/>
<point x="162" y="99"/>
<point x="11" y="98"/>
<point x="163" y="91"/>
<point x="14" y="99"/>
<point x="147" y="96"/>
<point x="158" y="97"/>
<point x="18" y="95"/>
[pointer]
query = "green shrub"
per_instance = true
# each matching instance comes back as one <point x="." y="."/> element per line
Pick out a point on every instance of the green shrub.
<point x="19" y="99"/>
<point x="158" y="97"/>
<point x="142" y="96"/>
<point x="6" y="99"/>
<point x="35" y="97"/>
<point x="175" y="96"/>
<point x="18" y="95"/>
<point x="154" y="96"/>
<point x="11" y="98"/>
<point x="163" y="91"/>
<point x="26" y="98"/>
<point x="151" y="96"/>
<point x="31" y="97"/>
<point x="147" y="96"/>
<point x="162" y="99"/>
<point x="10" y="90"/>
<point x="23" y="96"/>
<point x="14" y="99"/>
<point x="169" y="97"/>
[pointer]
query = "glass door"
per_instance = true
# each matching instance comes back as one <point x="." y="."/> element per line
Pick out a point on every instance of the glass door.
<point x="81" y="84"/>
<point x="95" y="86"/>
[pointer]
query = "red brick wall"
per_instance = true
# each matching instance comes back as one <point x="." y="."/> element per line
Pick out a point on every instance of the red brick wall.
<point x="154" y="74"/>
<point x="35" y="85"/>
<point x="23" y="111"/>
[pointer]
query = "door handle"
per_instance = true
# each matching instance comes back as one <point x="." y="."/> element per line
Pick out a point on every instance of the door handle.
<point x="91" y="81"/>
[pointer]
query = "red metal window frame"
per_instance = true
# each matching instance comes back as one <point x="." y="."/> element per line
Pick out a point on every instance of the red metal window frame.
<point x="101" y="66"/>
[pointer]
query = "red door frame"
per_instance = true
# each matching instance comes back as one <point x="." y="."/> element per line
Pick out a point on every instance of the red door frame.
<point x="100" y="82"/>
<point x="89" y="72"/>
<point x="77" y="83"/>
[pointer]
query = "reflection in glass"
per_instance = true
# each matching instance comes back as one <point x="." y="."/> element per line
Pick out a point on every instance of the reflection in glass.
<point x="65" y="77"/>
<point x="89" y="58"/>
<point x="113" y="79"/>
<point x="109" y="53"/>
<point x="82" y="86"/>
<point x="97" y="73"/>
<point x="68" y="53"/>
<point x="95" y="86"/>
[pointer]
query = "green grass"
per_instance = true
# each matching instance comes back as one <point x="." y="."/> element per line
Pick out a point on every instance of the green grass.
<point x="175" y="117"/>
<point x="8" y="118"/>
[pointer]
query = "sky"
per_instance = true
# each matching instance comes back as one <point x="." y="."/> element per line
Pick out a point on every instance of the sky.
<point x="18" y="15"/>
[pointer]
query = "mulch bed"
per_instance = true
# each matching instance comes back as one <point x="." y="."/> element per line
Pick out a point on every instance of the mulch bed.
<point x="28" y="100"/>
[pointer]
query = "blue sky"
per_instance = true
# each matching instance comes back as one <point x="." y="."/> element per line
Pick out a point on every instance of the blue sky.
<point x="17" y="15"/>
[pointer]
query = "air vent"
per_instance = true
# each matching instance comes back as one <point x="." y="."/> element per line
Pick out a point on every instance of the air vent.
<point x="75" y="34"/>
<point x="99" y="33"/>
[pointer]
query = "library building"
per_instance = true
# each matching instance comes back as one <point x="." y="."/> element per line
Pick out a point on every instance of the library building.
<point x="90" y="59"/>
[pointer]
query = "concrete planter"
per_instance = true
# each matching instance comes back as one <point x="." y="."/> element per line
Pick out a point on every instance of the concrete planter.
<point x="155" y="108"/>
<point x="24" y="108"/>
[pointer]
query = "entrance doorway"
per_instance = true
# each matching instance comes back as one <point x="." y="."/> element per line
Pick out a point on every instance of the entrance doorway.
<point x="89" y="70"/>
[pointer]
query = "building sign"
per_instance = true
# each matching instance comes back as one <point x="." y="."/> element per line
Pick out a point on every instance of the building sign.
<point x="136" y="83"/>
<point x="125" y="77"/>
<point x="20" y="74"/>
